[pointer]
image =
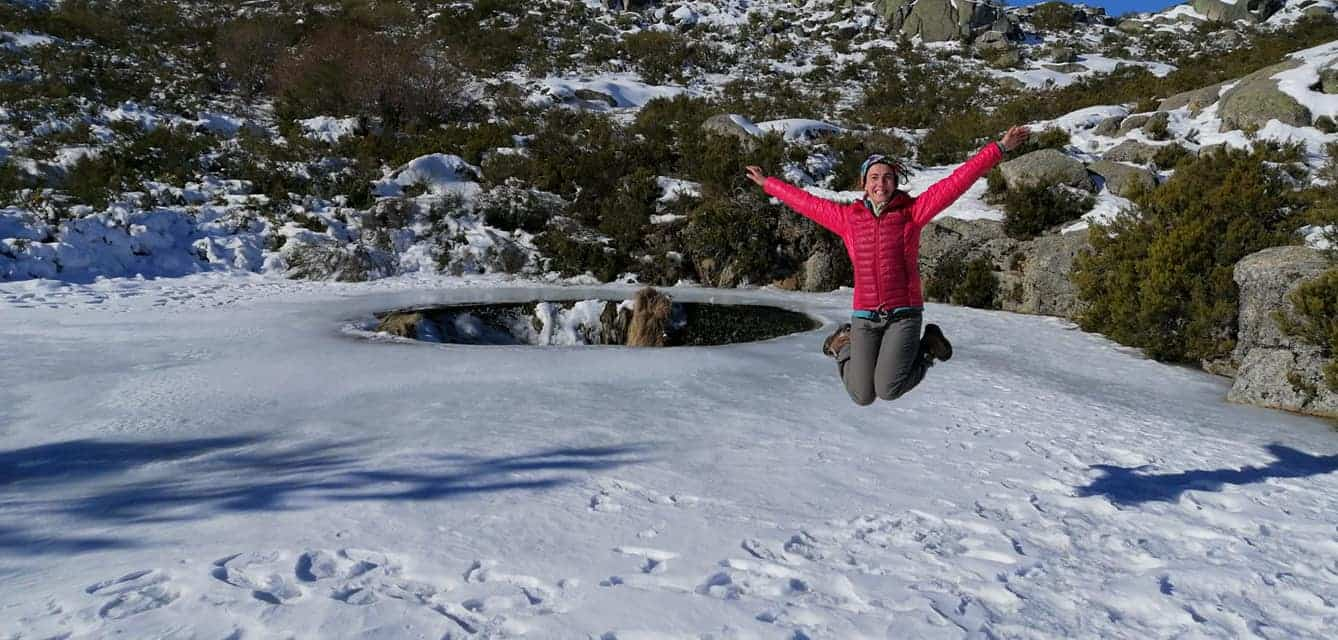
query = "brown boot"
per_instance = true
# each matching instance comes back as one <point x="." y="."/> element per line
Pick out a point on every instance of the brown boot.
<point x="834" y="343"/>
<point x="934" y="344"/>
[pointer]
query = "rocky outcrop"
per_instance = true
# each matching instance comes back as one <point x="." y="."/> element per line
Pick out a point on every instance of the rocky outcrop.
<point x="1196" y="100"/>
<point x="731" y="125"/>
<point x="1109" y="127"/>
<point x="1256" y="99"/>
<point x="943" y="20"/>
<point x="1230" y="11"/>
<point x="1135" y="121"/>
<point x="1274" y="369"/>
<point x="1047" y="167"/>
<point x="1122" y="179"/>
<point x="1033" y="275"/>
<point x="1038" y="280"/>
<point x="824" y="271"/>
<point x="1328" y="79"/>
<point x="1132" y="151"/>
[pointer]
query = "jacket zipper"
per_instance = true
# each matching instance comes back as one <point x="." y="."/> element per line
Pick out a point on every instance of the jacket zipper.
<point x="877" y="274"/>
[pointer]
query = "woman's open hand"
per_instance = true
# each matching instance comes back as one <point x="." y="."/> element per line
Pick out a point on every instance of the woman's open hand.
<point x="1015" y="137"/>
<point x="755" y="174"/>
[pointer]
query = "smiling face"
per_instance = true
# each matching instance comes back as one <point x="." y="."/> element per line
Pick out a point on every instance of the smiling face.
<point x="880" y="183"/>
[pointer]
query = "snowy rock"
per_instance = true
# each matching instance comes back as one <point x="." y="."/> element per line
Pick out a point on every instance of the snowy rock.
<point x="1270" y="364"/>
<point x="733" y="125"/>
<point x="1328" y="80"/>
<point x="328" y="129"/>
<point x="991" y="43"/>
<point x="1109" y="127"/>
<point x="1196" y="100"/>
<point x="1256" y="99"/>
<point x="436" y="173"/>
<point x="1135" y="121"/>
<point x="825" y="271"/>
<point x="330" y="260"/>
<point x="1131" y="151"/>
<point x="1132" y="26"/>
<point x="1062" y="55"/>
<point x="943" y="20"/>
<point x="1047" y="167"/>
<point x="1232" y="10"/>
<point x="1122" y="179"/>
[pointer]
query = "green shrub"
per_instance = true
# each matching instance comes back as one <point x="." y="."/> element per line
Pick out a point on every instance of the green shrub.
<point x="979" y="287"/>
<point x="734" y="232"/>
<point x="896" y="95"/>
<point x="1326" y="124"/>
<point x="511" y="206"/>
<point x="665" y="125"/>
<point x="1053" y="16"/>
<point x="1046" y="139"/>
<point x="995" y="185"/>
<point x="573" y="250"/>
<point x="952" y="140"/>
<point x="717" y="161"/>
<point x="1030" y="211"/>
<point x="1314" y="319"/>
<point x="1160" y="275"/>
<point x="1167" y="157"/>
<point x="94" y="181"/>
<point x="491" y="36"/>
<point x="1158" y="128"/>
<point x="627" y="210"/>
<point x="957" y="281"/>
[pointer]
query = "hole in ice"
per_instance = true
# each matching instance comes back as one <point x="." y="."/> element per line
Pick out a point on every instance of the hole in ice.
<point x="649" y="319"/>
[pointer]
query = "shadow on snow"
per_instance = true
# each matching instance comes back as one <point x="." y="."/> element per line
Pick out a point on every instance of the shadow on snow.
<point x="127" y="482"/>
<point x="1129" y="486"/>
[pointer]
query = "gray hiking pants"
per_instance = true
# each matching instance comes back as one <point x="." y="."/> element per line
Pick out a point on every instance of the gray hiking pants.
<point x="883" y="358"/>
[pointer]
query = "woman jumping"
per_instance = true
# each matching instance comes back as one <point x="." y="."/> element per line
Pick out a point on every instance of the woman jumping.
<point x="881" y="353"/>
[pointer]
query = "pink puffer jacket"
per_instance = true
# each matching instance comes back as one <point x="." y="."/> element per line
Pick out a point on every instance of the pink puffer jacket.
<point x="885" y="250"/>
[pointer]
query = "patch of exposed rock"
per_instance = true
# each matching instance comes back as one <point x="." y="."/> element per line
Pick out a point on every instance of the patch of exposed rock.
<point x="1046" y="167"/>
<point x="1256" y="99"/>
<point x="1033" y="275"/>
<point x="1122" y="179"/>
<point x="1273" y="369"/>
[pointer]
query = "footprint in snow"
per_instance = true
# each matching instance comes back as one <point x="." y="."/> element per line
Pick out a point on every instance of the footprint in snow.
<point x="134" y="593"/>
<point x="262" y="573"/>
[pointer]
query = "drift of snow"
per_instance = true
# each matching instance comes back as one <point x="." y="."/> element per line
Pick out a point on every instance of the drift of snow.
<point x="214" y="456"/>
<point x="436" y="173"/>
<point x="328" y="129"/>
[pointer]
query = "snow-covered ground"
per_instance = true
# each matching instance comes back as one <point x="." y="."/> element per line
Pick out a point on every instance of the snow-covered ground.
<point x="227" y="456"/>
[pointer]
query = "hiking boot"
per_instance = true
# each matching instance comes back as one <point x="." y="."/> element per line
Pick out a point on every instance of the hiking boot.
<point x="834" y="343"/>
<point x="934" y="344"/>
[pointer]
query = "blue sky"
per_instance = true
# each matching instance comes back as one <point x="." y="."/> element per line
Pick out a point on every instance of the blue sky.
<point x="1117" y="7"/>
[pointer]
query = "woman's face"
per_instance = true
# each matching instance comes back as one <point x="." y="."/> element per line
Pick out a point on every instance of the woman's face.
<point x="880" y="183"/>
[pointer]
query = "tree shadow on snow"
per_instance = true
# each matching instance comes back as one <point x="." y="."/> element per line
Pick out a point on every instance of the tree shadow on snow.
<point x="1129" y="486"/>
<point x="126" y="482"/>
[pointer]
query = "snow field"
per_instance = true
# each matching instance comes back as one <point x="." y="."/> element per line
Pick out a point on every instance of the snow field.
<point x="224" y="456"/>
